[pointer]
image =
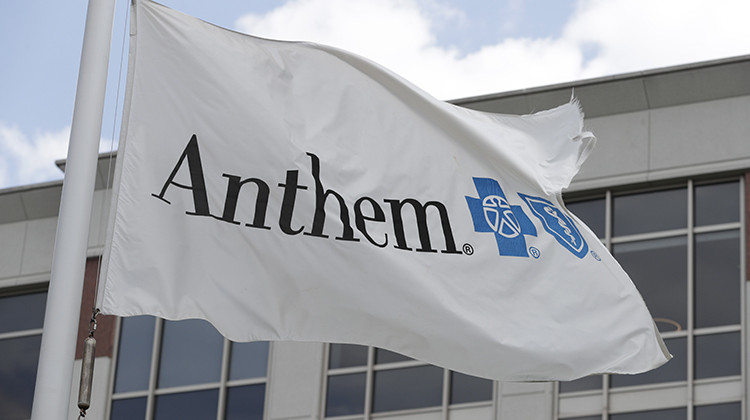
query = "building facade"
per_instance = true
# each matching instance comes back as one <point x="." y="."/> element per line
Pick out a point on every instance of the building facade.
<point x="666" y="189"/>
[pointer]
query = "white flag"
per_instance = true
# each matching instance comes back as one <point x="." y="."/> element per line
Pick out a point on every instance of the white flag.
<point x="294" y="191"/>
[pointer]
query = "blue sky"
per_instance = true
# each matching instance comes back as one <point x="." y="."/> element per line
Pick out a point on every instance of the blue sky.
<point x="451" y="48"/>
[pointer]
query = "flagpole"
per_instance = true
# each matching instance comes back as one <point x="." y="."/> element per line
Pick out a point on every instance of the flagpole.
<point x="57" y="353"/>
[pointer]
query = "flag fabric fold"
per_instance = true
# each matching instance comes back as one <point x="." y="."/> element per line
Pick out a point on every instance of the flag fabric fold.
<point x="295" y="191"/>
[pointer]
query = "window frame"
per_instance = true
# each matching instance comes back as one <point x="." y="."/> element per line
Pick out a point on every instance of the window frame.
<point x="370" y="368"/>
<point x="153" y="391"/>
<point x="28" y="289"/>
<point x="600" y="401"/>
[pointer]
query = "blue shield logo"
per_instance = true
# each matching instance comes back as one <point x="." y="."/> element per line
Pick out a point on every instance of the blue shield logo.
<point x="558" y="224"/>
<point x="492" y="212"/>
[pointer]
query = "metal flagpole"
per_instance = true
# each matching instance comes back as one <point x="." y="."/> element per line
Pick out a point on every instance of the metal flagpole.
<point x="57" y="354"/>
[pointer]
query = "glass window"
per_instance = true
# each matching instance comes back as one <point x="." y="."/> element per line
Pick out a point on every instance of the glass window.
<point x="387" y="356"/>
<point x="346" y="355"/>
<point x="134" y="357"/>
<point x="466" y="389"/>
<point x="128" y="409"/>
<point x="730" y="411"/>
<point x="717" y="355"/>
<point x="592" y="213"/>
<point x="671" y="414"/>
<point x="345" y="394"/>
<point x="22" y="312"/>
<point x="673" y="370"/>
<point x="406" y="388"/>
<point x="248" y="360"/>
<point x="18" y="363"/>
<point x="658" y="269"/>
<point x="393" y="386"/>
<point x="197" y="405"/>
<point x="191" y="353"/>
<point x="245" y="402"/>
<point x="717" y="203"/>
<point x="584" y="384"/>
<point x="650" y="239"/>
<point x="649" y="212"/>
<point x="717" y="278"/>
<point x="21" y="320"/>
<point x="584" y="418"/>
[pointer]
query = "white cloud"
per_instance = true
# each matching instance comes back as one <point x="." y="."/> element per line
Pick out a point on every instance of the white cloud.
<point x="25" y="160"/>
<point x="603" y="37"/>
<point x="31" y="159"/>
<point x="639" y="34"/>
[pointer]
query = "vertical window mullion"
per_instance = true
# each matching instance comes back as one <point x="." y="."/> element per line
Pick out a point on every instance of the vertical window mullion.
<point x="691" y="299"/>
<point x="446" y="393"/>
<point x="153" y="376"/>
<point x="266" y="397"/>
<point x="369" y="388"/>
<point x="496" y="403"/>
<point x="744" y="196"/>
<point x="608" y="220"/>
<point x="324" y="381"/>
<point x="605" y="397"/>
<point x="608" y="244"/>
<point x="221" y="408"/>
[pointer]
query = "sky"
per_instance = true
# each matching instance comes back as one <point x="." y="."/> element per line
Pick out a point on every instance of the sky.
<point x="450" y="48"/>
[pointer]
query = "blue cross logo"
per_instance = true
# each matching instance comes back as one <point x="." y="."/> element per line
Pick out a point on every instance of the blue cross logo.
<point x="492" y="212"/>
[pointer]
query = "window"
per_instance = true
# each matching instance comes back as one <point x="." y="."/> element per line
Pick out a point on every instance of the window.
<point x="21" y="321"/>
<point x="682" y="248"/>
<point x="730" y="411"/>
<point x="186" y="370"/>
<point x="364" y="380"/>
<point x="668" y="414"/>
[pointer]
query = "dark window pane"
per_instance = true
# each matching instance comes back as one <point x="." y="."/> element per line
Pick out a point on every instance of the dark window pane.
<point x="198" y="405"/>
<point x="465" y="388"/>
<point x="584" y="384"/>
<point x="671" y="414"/>
<point x="729" y="411"/>
<point x="191" y="353"/>
<point x="717" y="279"/>
<point x="672" y="371"/>
<point x="592" y="213"/>
<point x="245" y="402"/>
<point x="659" y="270"/>
<point x="717" y="203"/>
<point x="649" y="212"/>
<point x="134" y="354"/>
<point x="346" y="355"/>
<point x="402" y="389"/>
<point x="22" y="312"/>
<point x="249" y="360"/>
<point x="129" y="409"/>
<point x="717" y="355"/>
<point x="386" y="356"/>
<point x="18" y="361"/>
<point x="345" y="395"/>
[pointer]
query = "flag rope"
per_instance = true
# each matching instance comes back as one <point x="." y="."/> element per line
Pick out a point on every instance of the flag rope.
<point x="112" y="153"/>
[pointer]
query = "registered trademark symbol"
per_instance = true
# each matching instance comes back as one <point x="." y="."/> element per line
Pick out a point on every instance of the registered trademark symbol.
<point x="468" y="249"/>
<point x="595" y="255"/>
<point x="534" y="252"/>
